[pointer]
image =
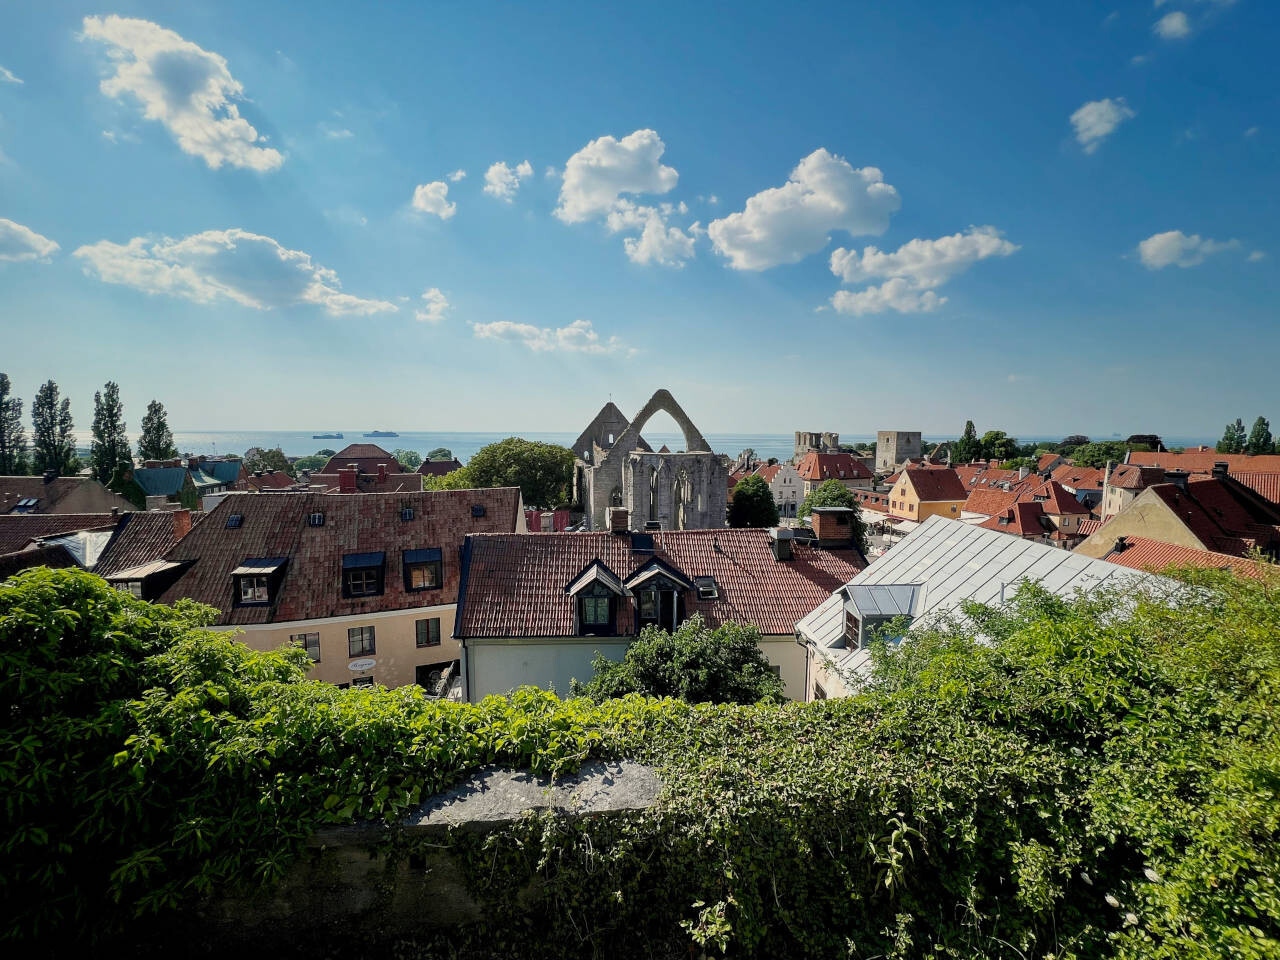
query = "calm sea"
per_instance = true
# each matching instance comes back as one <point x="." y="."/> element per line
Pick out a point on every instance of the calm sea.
<point x="464" y="445"/>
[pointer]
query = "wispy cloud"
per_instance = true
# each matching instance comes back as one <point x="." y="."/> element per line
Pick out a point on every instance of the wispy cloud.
<point x="577" y="337"/>
<point x="6" y="76"/>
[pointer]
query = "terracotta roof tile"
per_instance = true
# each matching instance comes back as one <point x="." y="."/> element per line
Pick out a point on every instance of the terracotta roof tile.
<point x="140" y="538"/>
<point x="1203" y="461"/>
<point x="17" y="530"/>
<point x="276" y="525"/>
<point x="934" y="485"/>
<point x="367" y="456"/>
<point x="438" y="468"/>
<point x="814" y="466"/>
<point x="1223" y="514"/>
<point x="1143" y="554"/>
<point x="516" y="583"/>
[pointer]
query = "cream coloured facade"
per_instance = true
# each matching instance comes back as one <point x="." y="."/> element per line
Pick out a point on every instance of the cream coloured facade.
<point x="497" y="666"/>
<point x="786" y="485"/>
<point x="398" y="656"/>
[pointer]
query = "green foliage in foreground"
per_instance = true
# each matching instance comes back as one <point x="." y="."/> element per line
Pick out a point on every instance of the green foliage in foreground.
<point x="1102" y="779"/>
<point x="695" y="663"/>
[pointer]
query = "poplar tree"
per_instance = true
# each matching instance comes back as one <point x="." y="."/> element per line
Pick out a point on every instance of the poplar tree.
<point x="1260" y="440"/>
<point x="156" y="442"/>
<point x="110" y="445"/>
<point x="13" y="438"/>
<point x="968" y="447"/>
<point x="53" y="446"/>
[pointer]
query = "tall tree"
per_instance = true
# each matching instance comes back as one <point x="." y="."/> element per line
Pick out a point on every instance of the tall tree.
<point x="156" y="442"/>
<point x="752" y="504"/>
<point x="257" y="460"/>
<point x="542" y="471"/>
<point x="967" y="448"/>
<point x="1260" y="438"/>
<point x="53" y="446"/>
<point x="110" y="446"/>
<point x="1233" y="438"/>
<point x="13" y="438"/>
<point x="996" y="445"/>
<point x="409" y="459"/>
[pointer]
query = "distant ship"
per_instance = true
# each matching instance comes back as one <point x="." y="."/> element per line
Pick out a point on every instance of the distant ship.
<point x="326" y="436"/>
<point x="382" y="433"/>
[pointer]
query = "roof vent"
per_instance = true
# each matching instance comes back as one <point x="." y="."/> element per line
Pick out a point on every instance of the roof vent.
<point x="315" y="520"/>
<point x="406" y="513"/>
<point x="477" y="510"/>
<point x="234" y="521"/>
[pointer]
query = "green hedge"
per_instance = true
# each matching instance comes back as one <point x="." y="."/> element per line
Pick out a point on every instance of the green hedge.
<point x="1100" y="778"/>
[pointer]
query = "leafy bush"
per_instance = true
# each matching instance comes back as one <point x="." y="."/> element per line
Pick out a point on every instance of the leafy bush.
<point x="1098" y="777"/>
<point x="695" y="664"/>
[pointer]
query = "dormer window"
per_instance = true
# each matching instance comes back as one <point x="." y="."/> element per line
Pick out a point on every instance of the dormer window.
<point x="596" y="593"/>
<point x="256" y="581"/>
<point x="422" y="569"/>
<point x="707" y="588"/>
<point x="362" y="574"/>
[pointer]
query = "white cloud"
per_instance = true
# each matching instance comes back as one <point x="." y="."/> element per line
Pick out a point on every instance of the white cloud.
<point x="18" y="243"/>
<point x="1257" y="256"/>
<point x="338" y="133"/>
<point x="434" y="198"/>
<point x="6" y="76"/>
<point x="187" y="89"/>
<point x="577" y="337"/>
<point x="896" y="294"/>
<point x="1175" y="248"/>
<point x="788" y="223"/>
<point x="436" y="305"/>
<point x="657" y="243"/>
<point x="1096" y="120"/>
<point x="1139" y="59"/>
<point x="1172" y="26"/>
<point x="245" y="268"/>
<point x="456" y="176"/>
<point x="502" y="181"/>
<point x="926" y="263"/>
<point x="1251" y="132"/>
<point x="912" y="271"/>
<point x="598" y="174"/>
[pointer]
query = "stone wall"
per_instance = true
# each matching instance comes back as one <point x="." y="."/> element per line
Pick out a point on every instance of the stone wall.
<point x="376" y="883"/>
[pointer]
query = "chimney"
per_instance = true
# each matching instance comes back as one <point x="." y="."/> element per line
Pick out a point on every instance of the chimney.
<point x="1220" y="469"/>
<point x="50" y="476"/>
<point x="194" y="463"/>
<point x="382" y="473"/>
<point x="181" y="523"/>
<point x="115" y="511"/>
<point x="619" y="520"/>
<point x="347" y="479"/>
<point x="1122" y="544"/>
<point x="780" y="541"/>
<point x="833" y="526"/>
<point x="1178" y="478"/>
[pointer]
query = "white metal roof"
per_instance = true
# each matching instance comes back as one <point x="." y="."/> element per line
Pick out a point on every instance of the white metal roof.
<point x="953" y="561"/>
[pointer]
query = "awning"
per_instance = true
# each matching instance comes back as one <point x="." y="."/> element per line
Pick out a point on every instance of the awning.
<point x="354" y="560"/>
<point x="431" y="555"/>
<point x="259" y="566"/>
<point x="905" y="526"/>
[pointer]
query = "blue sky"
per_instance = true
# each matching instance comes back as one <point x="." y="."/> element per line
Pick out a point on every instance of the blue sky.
<point x="1043" y="217"/>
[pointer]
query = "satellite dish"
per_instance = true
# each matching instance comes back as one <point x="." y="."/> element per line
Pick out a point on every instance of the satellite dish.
<point x="359" y="666"/>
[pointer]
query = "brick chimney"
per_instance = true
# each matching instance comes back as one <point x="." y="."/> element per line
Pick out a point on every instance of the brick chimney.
<point x="1220" y="470"/>
<point x="382" y="473"/>
<point x="1178" y="478"/>
<point x="833" y="526"/>
<point x="619" y="519"/>
<point x="181" y="523"/>
<point x="347" y="479"/>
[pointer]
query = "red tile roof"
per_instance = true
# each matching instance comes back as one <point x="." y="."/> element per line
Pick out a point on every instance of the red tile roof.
<point x="1265" y="484"/>
<point x="48" y="555"/>
<point x="1143" y="554"/>
<point x="1055" y="499"/>
<point x="990" y="502"/>
<point x="369" y="482"/>
<point x="1089" y="527"/>
<point x="516" y="583"/>
<point x="1078" y="478"/>
<point x="1223" y="514"/>
<point x="1045" y="460"/>
<point x="769" y="471"/>
<point x="1020" y="520"/>
<point x="814" y="466"/>
<point x="1129" y="476"/>
<point x="311" y="585"/>
<point x="366" y="456"/>
<point x="934" y="485"/>
<point x="270" y="480"/>
<point x="438" y="468"/>
<point x="1202" y="462"/>
<point x="51" y="494"/>
<point x="17" y="530"/>
<point x="140" y="538"/>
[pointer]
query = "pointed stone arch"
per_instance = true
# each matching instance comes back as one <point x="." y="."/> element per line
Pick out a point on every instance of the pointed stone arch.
<point x="663" y="400"/>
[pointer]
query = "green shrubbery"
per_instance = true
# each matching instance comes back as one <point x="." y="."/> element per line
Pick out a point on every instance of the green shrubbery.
<point x="1103" y="779"/>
